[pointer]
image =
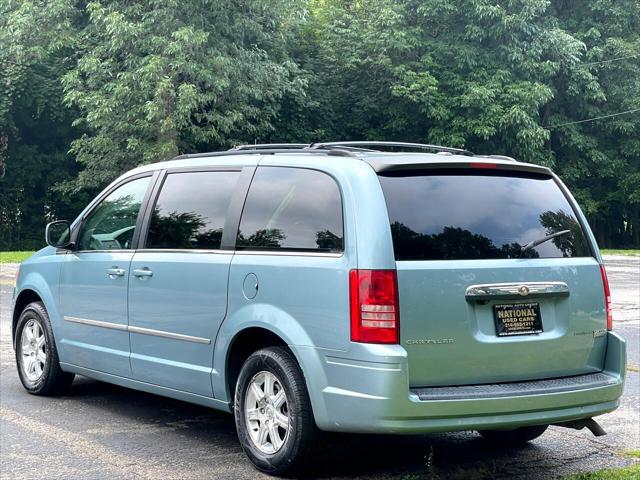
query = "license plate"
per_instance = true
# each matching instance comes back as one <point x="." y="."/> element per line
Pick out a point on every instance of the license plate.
<point x="517" y="319"/>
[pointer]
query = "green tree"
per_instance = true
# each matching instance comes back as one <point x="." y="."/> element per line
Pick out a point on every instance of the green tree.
<point x="159" y="78"/>
<point x="91" y="89"/>
<point x="600" y="160"/>
<point x="493" y="77"/>
<point x="35" y="126"/>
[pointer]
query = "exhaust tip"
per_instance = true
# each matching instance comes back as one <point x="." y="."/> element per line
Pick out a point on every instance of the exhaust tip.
<point x="594" y="427"/>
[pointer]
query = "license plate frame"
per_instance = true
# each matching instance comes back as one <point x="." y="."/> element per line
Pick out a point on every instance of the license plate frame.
<point x="515" y="319"/>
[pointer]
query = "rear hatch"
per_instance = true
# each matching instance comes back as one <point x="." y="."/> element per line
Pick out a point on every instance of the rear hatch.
<point x="476" y="304"/>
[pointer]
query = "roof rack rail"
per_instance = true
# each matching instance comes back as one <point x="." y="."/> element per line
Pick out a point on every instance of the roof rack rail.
<point x="264" y="151"/>
<point x="264" y="146"/>
<point x="341" y="149"/>
<point x="420" y="146"/>
<point x="498" y="157"/>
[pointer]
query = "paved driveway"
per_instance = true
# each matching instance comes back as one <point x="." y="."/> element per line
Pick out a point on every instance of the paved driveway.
<point x="104" y="431"/>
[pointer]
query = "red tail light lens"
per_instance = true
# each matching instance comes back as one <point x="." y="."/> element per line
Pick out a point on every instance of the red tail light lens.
<point x="607" y="297"/>
<point x="374" y="306"/>
<point x="483" y="165"/>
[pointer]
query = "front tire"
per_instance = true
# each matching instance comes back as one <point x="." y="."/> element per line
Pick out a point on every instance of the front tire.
<point x="517" y="436"/>
<point x="36" y="353"/>
<point x="273" y="413"/>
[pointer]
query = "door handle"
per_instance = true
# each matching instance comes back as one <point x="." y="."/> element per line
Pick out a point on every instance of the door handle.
<point x="115" y="272"/>
<point x="142" y="272"/>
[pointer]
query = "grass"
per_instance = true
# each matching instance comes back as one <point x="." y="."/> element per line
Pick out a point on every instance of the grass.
<point x="633" y="368"/>
<point x="632" y="453"/>
<point x="619" y="251"/>
<point x="626" y="473"/>
<point x="14" y="257"/>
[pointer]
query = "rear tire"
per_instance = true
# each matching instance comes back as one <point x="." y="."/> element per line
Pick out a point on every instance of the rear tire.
<point x="273" y="413"/>
<point x="36" y="353"/>
<point x="518" y="436"/>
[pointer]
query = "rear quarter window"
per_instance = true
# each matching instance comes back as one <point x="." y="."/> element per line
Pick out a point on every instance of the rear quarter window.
<point x="292" y="209"/>
<point x="466" y="215"/>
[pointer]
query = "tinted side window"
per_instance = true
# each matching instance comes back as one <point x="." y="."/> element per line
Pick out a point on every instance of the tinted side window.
<point x="111" y="224"/>
<point x="292" y="208"/>
<point x="480" y="216"/>
<point x="191" y="210"/>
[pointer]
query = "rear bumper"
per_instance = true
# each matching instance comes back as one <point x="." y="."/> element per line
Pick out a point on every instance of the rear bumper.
<point x="369" y="393"/>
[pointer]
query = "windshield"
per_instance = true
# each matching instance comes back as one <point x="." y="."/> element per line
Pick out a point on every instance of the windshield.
<point x="466" y="215"/>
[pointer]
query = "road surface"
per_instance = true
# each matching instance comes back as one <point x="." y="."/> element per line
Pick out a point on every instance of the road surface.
<point x="103" y="431"/>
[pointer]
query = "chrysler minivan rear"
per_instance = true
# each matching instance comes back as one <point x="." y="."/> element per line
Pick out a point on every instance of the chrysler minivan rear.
<point x="478" y="293"/>
<point x="496" y="316"/>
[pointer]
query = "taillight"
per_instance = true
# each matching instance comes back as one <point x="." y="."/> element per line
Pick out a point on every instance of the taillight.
<point x="374" y="306"/>
<point x="607" y="297"/>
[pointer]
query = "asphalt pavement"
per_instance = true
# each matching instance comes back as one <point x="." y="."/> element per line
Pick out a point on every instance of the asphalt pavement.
<point x="102" y="431"/>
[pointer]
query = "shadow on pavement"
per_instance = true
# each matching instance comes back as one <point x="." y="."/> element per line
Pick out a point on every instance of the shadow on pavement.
<point x="447" y="455"/>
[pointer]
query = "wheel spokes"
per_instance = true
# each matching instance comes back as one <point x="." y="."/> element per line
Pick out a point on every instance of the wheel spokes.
<point x="31" y="366"/>
<point x="41" y="357"/>
<point x="253" y="415"/>
<point x="263" y="434"/>
<point x="28" y="330"/>
<point x="33" y="344"/>
<point x="278" y="399"/>
<point x="257" y="391"/>
<point x="281" y="420"/>
<point x="268" y="385"/>
<point x="274" y="436"/>
<point x="265" y="412"/>
<point x="37" y="368"/>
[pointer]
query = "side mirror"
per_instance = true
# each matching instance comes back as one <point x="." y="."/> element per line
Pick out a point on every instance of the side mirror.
<point x="58" y="234"/>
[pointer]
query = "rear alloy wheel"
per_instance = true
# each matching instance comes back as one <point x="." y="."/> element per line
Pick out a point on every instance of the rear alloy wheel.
<point x="272" y="410"/>
<point x="36" y="354"/>
<point x="266" y="412"/>
<point x="516" y="436"/>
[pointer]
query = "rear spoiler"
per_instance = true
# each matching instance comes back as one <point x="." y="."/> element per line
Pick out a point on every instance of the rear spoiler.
<point x="390" y="164"/>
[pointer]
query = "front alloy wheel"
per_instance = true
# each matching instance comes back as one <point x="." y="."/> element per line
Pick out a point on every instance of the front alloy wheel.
<point x="33" y="350"/>
<point x="36" y="353"/>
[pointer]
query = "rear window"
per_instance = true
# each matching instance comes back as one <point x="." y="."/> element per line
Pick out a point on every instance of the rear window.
<point x="463" y="215"/>
<point x="292" y="209"/>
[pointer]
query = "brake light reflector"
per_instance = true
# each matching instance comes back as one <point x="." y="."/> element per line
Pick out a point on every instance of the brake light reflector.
<point x="374" y="306"/>
<point x="607" y="297"/>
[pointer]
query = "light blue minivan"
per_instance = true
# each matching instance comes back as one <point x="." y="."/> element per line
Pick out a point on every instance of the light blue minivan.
<point x="368" y="287"/>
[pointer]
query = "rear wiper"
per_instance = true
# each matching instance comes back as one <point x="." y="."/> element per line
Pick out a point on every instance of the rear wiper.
<point x="537" y="242"/>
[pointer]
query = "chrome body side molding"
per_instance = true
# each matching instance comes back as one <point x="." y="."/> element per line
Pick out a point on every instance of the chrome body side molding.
<point x="143" y="331"/>
<point x="96" y="323"/>
<point x="175" y="336"/>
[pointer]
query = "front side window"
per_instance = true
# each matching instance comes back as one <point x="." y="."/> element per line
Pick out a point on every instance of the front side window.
<point x="191" y="210"/>
<point x="292" y="209"/>
<point x="466" y="215"/>
<point x="111" y="225"/>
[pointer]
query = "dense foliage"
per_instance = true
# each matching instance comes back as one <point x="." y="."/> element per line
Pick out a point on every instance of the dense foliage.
<point x="91" y="89"/>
